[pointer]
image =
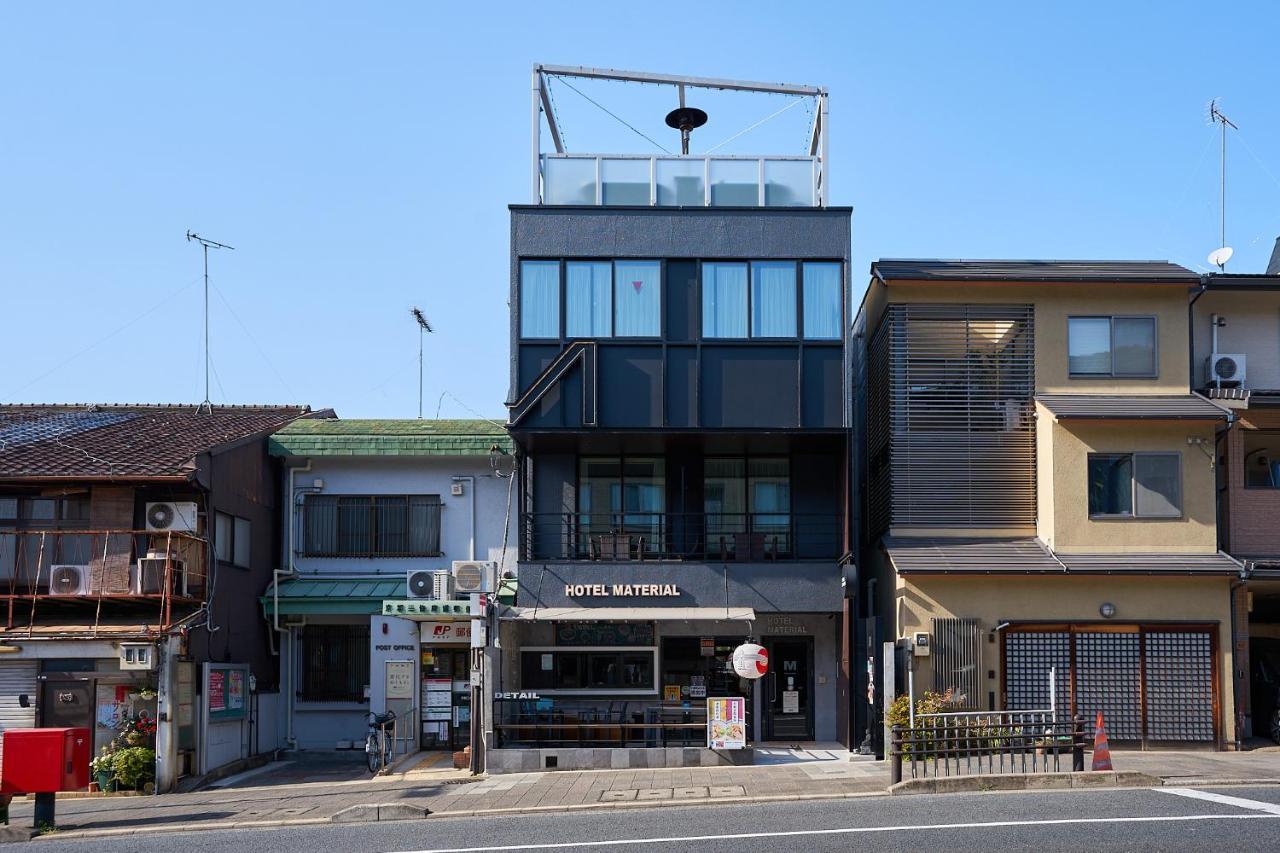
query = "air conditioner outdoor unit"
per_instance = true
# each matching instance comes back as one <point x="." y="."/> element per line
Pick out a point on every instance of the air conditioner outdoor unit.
<point x="147" y="576"/>
<point x="1225" y="369"/>
<point x="474" y="576"/>
<point x="69" y="580"/>
<point x="172" y="516"/>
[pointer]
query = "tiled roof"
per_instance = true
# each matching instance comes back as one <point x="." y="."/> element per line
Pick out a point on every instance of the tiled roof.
<point x="910" y="269"/>
<point x="122" y="441"/>
<point x="1179" y="407"/>
<point x="410" y="437"/>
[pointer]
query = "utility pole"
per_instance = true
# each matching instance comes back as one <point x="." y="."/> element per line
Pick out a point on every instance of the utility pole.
<point x="207" y="405"/>
<point x="423" y="328"/>
<point x="1216" y="116"/>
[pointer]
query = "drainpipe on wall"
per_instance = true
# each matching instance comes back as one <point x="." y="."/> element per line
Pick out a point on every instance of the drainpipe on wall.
<point x="287" y="648"/>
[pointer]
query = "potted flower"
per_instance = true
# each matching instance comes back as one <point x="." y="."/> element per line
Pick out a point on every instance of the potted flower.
<point x="102" y="766"/>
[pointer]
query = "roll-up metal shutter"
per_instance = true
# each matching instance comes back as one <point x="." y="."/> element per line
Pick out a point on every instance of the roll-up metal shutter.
<point x="17" y="678"/>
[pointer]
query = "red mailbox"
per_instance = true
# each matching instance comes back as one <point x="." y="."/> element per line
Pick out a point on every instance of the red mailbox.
<point x="38" y="761"/>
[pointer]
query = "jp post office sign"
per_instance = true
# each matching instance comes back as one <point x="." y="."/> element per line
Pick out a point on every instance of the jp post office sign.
<point x="445" y="632"/>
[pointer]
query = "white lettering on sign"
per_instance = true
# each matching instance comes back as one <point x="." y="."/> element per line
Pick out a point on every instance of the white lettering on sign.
<point x="520" y="694"/>
<point x="622" y="590"/>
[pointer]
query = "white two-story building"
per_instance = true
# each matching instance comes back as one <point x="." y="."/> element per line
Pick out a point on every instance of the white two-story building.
<point x="369" y="504"/>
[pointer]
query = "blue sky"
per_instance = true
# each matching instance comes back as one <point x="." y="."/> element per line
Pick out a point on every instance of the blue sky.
<point x="361" y="156"/>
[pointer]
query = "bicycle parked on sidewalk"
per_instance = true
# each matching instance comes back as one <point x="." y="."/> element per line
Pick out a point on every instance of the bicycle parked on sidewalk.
<point x="380" y="743"/>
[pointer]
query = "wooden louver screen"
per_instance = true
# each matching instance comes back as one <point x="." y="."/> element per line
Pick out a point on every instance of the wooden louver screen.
<point x="958" y="383"/>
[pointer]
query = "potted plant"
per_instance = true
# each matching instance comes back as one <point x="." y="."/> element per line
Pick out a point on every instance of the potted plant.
<point x="134" y="767"/>
<point x="102" y="768"/>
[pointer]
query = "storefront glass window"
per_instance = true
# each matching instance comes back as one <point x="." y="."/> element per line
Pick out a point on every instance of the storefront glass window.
<point x="621" y="502"/>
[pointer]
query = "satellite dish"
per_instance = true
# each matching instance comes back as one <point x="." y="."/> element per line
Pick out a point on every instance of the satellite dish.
<point x="686" y="119"/>
<point x="1219" y="257"/>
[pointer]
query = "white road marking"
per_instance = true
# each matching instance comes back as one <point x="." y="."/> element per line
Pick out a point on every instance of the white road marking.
<point x="853" y="830"/>
<point x="1238" y="802"/>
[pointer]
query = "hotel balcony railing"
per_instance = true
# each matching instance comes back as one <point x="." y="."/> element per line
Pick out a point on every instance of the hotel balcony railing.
<point x="722" y="537"/>
<point x="93" y="566"/>
<point x="673" y="181"/>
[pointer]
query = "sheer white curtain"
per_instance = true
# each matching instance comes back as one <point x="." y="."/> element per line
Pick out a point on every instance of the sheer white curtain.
<point x="637" y="292"/>
<point x="540" y="299"/>
<point x="773" y="299"/>
<point x="822" y="287"/>
<point x="588" y="299"/>
<point x="724" y="300"/>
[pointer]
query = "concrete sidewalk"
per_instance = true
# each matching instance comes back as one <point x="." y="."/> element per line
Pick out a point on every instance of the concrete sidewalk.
<point x="429" y="789"/>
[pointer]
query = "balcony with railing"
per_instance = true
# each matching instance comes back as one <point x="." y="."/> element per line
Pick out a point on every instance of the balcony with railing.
<point x="88" y="569"/>
<point x="640" y="536"/>
<point x="689" y="181"/>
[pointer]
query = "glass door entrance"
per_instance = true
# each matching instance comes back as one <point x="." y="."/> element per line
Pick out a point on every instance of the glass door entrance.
<point x="788" y="702"/>
<point x="446" y="697"/>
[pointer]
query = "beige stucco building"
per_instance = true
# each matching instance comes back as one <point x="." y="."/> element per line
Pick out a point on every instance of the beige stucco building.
<point x="1039" y="492"/>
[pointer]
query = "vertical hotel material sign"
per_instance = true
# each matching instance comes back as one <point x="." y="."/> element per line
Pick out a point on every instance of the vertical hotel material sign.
<point x="727" y="723"/>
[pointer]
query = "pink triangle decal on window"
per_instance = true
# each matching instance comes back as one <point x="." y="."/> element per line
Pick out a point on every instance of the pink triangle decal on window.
<point x="638" y="285"/>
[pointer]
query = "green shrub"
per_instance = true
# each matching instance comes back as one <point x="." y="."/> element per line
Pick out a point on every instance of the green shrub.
<point x="134" y="766"/>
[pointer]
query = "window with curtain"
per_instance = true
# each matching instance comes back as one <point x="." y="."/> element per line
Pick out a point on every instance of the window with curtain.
<point x="588" y="299"/>
<point x="822" y="290"/>
<point x="769" y="485"/>
<point x="622" y="496"/>
<point x="747" y="495"/>
<point x="539" y="299"/>
<point x="724" y="496"/>
<point x="1112" y="346"/>
<point x="371" y="526"/>
<point x="637" y="297"/>
<point x="1135" y="485"/>
<point x="724" y="300"/>
<point x="773" y="299"/>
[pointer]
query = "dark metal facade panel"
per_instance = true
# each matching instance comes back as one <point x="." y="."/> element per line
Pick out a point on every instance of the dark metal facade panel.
<point x="951" y="439"/>
<point x="908" y="269"/>
<point x="1133" y="407"/>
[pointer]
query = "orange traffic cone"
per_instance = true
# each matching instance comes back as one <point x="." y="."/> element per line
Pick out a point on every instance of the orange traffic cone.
<point x="1101" y="749"/>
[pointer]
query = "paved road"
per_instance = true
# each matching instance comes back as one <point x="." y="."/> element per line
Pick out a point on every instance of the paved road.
<point x="1218" y="819"/>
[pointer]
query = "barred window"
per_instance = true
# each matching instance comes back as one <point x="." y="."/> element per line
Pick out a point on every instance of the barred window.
<point x="334" y="662"/>
<point x="371" y="526"/>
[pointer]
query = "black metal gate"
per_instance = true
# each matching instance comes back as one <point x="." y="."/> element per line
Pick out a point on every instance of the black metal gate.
<point x="1152" y="683"/>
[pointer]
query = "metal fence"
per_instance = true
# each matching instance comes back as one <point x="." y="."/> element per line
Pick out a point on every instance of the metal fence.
<point x="996" y="742"/>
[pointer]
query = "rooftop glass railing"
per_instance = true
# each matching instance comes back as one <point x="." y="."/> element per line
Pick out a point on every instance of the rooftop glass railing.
<point x="615" y="180"/>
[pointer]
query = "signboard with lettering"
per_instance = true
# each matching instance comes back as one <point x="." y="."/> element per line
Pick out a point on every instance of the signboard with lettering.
<point x="445" y="632"/>
<point x="621" y="590"/>
<point x="604" y="634"/>
<point x="225" y="688"/>
<point x="399" y="679"/>
<point x="727" y="723"/>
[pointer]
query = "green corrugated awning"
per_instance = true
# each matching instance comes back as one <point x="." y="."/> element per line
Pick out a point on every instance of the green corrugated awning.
<point x="363" y="437"/>
<point x="343" y="596"/>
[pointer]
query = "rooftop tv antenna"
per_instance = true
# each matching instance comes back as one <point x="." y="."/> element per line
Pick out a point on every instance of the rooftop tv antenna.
<point x="206" y="245"/>
<point x="1221" y="255"/>
<point x="686" y="120"/>
<point x="423" y="328"/>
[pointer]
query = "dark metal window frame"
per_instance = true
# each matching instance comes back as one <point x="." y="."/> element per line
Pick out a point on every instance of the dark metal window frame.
<point x="372" y="551"/>
<point x="563" y="335"/>
<point x="1111" y="352"/>
<point x="1133" y="487"/>
<point x="800" y="333"/>
<point x="324" y="679"/>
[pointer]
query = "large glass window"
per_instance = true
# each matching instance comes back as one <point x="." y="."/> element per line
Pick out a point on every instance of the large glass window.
<point x="597" y="669"/>
<point x="371" y="526"/>
<point x="621" y="505"/>
<point x="1136" y="485"/>
<point x="747" y="505"/>
<point x="724" y="300"/>
<point x="539" y="299"/>
<point x="822" y="308"/>
<point x="1111" y="346"/>
<point x="588" y="299"/>
<point x="637" y="295"/>
<point x="773" y="299"/>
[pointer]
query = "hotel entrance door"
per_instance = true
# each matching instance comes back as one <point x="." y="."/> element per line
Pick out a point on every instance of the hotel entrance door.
<point x="788" y="700"/>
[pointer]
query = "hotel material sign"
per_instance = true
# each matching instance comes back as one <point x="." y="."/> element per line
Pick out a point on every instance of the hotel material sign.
<point x="621" y="590"/>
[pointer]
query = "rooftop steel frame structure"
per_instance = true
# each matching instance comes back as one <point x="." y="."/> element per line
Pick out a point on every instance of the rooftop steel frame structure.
<point x="540" y="106"/>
